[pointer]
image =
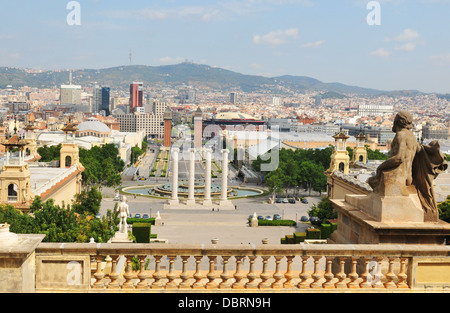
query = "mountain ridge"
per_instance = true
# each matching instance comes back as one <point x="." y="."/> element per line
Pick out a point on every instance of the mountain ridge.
<point x="197" y="75"/>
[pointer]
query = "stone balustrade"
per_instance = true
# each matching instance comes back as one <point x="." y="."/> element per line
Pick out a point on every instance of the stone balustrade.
<point x="241" y="268"/>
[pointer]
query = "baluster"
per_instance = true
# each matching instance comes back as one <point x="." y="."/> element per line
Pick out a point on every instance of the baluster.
<point x="377" y="277"/>
<point x="288" y="275"/>
<point x="402" y="275"/>
<point x="251" y="276"/>
<point x="365" y="276"/>
<point x="225" y="284"/>
<point x="353" y="275"/>
<point x="198" y="275"/>
<point x="142" y="274"/>
<point x="264" y="275"/>
<point x="277" y="275"/>
<point x="114" y="275"/>
<point x="341" y="276"/>
<point x="390" y="276"/>
<point x="238" y="274"/>
<point x="184" y="276"/>
<point x="211" y="275"/>
<point x="171" y="275"/>
<point x="329" y="276"/>
<point x="157" y="274"/>
<point x="128" y="284"/>
<point x="304" y="274"/>
<point x="316" y="275"/>
<point x="99" y="275"/>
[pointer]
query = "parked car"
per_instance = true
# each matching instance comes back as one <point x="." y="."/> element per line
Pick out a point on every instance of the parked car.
<point x="314" y="219"/>
<point x="277" y="217"/>
<point x="98" y="216"/>
<point x="278" y="200"/>
<point x="260" y="217"/>
<point x="285" y="200"/>
<point x="305" y="201"/>
<point x="145" y="216"/>
<point x="269" y="218"/>
<point x="137" y="216"/>
<point x="292" y="201"/>
<point x="304" y="219"/>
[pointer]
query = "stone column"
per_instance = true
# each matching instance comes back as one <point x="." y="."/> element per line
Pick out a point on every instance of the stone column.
<point x="191" y="196"/>
<point x="207" y="200"/>
<point x="224" y="196"/>
<point x="175" y="160"/>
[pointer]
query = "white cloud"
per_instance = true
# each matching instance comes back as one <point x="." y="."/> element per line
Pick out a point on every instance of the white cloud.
<point x="442" y="59"/>
<point x="409" y="46"/>
<point x="406" y="35"/>
<point x="314" y="44"/>
<point x="277" y="37"/>
<point x="380" y="53"/>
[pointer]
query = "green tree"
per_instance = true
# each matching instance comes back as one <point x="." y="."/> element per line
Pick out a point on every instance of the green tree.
<point x="444" y="210"/>
<point x="88" y="202"/>
<point x="323" y="210"/>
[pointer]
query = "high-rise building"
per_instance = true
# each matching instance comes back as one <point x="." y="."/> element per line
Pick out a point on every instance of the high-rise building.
<point x="233" y="97"/>
<point x="136" y="96"/>
<point x="96" y="99"/>
<point x="105" y="100"/>
<point x="70" y="94"/>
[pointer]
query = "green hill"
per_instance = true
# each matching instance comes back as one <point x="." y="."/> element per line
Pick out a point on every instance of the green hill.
<point x="174" y="75"/>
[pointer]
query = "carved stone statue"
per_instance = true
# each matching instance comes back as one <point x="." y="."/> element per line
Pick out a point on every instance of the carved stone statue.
<point x="411" y="167"/>
<point x="122" y="208"/>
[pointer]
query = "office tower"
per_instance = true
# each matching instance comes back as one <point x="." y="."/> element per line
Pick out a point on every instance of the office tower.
<point x="70" y="94"/>
<point x="233" y="97"/>
<point x="96" y="99"/>
<point x="105" y="100"/>
<point x="136" y="96"/>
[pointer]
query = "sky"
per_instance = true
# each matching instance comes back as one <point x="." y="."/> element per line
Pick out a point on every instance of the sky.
<point x="399" y="44"/>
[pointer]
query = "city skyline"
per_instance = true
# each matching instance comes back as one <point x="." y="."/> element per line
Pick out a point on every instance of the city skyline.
<point x="329" y="41"/>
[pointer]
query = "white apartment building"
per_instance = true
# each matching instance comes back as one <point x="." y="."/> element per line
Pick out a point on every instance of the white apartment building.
<point x="152" y="122"/>
<point x="374" y="109"/>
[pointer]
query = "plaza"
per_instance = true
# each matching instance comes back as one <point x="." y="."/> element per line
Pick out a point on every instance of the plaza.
<point x="230" y="227"/>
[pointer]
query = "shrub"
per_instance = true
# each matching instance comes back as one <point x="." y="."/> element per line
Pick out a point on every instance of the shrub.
<point x="142" y="232"/>
<point x="289" y="239"/>
<point x="333" y="227"/>
<point x="299" y="237"/>
<point x="312" y="233"/>
<point x="277" y="223"/>
<point x="326" y="231"/>
<point x="132" y="220"/>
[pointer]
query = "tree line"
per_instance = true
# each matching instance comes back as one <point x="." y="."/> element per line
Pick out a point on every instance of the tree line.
<point x="102" y="164"/>
<point x="304" y="168"/>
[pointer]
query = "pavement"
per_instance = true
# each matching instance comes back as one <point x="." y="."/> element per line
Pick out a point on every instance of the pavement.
<point x="229" y="226"/>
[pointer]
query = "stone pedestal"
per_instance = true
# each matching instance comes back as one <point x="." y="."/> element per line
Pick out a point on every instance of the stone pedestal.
<point x="254" y="221"/>
<point x="375" y="219"/>
<point x="158" y="220"/>
<point x="121" y="238"/>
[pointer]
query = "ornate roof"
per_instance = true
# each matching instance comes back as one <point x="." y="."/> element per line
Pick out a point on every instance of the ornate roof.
<point x="341" y="135"/>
